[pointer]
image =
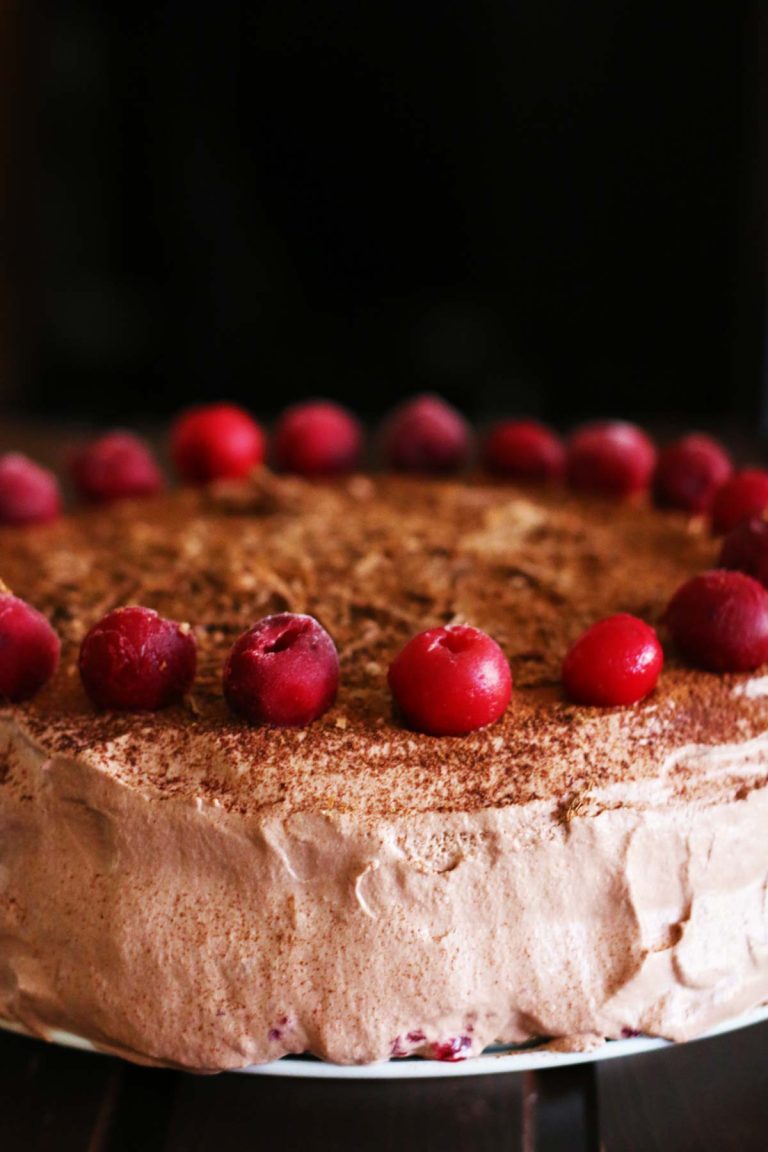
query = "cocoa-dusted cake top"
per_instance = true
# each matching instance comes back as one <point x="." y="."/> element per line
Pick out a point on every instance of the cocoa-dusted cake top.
<point x="376" y="559"/>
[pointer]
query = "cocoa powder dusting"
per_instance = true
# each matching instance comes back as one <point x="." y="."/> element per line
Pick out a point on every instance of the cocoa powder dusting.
<point x="375" y="560"/>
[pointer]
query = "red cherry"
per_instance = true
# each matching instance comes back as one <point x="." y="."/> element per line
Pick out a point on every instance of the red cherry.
<point x="745" y="494"/>
<point x="745" y="549"/>
<point x="689" y="473"/>
<point x="115" y="466"/>
<point x="449" y="681"/>
<point x="29" y="494"/>
<point x="612" y="458"/>
<point x="719" y="621"/>
<point x="525" y="450"/>
<point x="29" y="649"/>
<point x="451" y="1051"/>
<point x="426" y="435"/>
<point x="134" y="660"/>
<point x="318" y="439"/>
<point x="282" y="671"/>
<point x="616" y="661"/>
<point x="216" y="442"/>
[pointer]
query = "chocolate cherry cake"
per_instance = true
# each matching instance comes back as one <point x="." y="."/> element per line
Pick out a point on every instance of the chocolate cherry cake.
<point x="184" y="887"/>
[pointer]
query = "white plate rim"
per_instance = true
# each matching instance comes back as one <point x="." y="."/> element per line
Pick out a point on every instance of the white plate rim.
<point x="489" y="1063"/>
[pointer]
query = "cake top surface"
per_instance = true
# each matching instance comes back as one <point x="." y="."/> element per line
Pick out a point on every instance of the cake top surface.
<point x="376" y="560"/>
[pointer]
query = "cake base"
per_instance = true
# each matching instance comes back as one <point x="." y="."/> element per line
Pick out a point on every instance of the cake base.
<point x="502" y="1058"/>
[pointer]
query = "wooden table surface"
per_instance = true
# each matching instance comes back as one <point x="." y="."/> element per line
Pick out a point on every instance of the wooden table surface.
<point x="711" y="1095"/>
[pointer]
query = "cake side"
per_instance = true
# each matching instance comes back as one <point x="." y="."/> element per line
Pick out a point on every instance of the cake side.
<point x="183" y="933"/>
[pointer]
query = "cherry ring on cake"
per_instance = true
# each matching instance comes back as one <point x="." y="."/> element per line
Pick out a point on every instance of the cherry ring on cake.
<point x="526" y="451"/>
<point x="611" y="458"/>
<point x="426" y="434"/>
<point x="283" y="671"/>
<point x="689" y="472"/>
<point x="216" y="442"/>
<point x="318" y="438"/>
<point x="115" y="466"/>
<point x="617" y="661"/>
<point x="744" y="495"/>
<point x="29" y="649"/>
<point x="719" y="621"/>
<point x="745" y="549"/>
<point x="29" y="493"/>
<point x="451" y="680"/>
<point x="134" y="660"/>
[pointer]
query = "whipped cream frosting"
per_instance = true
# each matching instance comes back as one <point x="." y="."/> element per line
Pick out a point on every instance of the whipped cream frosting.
<point x="179" y="932"/>
<point x="182" y="889"/>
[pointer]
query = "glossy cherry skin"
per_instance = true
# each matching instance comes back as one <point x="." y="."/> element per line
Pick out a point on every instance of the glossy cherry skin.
<point x="451" y="680"/>
<point x="318" y="439"/>
<point x="283" y="671"/>
<point x="610" y="458"/>
<point x="426" y="434"/>
<point x="216" y="442"/>
<point x="719" y="621"/>
<point x="689" y="472"/>
<point x="744" y="495"/>
<point x="29" y="649"/>
<point x="116" y="466"/>
<point x="745" y="549"/>
<point x="134" y="660"/>
<point x="525" y="450"/>
<point x="616" y="662"/>
<point x="29" y="493"/>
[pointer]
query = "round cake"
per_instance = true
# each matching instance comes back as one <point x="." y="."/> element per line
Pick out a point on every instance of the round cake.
<point x="181" y="887"/>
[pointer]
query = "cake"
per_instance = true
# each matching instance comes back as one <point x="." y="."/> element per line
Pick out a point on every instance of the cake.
<point x="183" y="888"/>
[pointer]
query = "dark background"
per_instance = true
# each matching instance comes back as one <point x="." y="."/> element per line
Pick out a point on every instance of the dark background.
<point x="541" y="206"/>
